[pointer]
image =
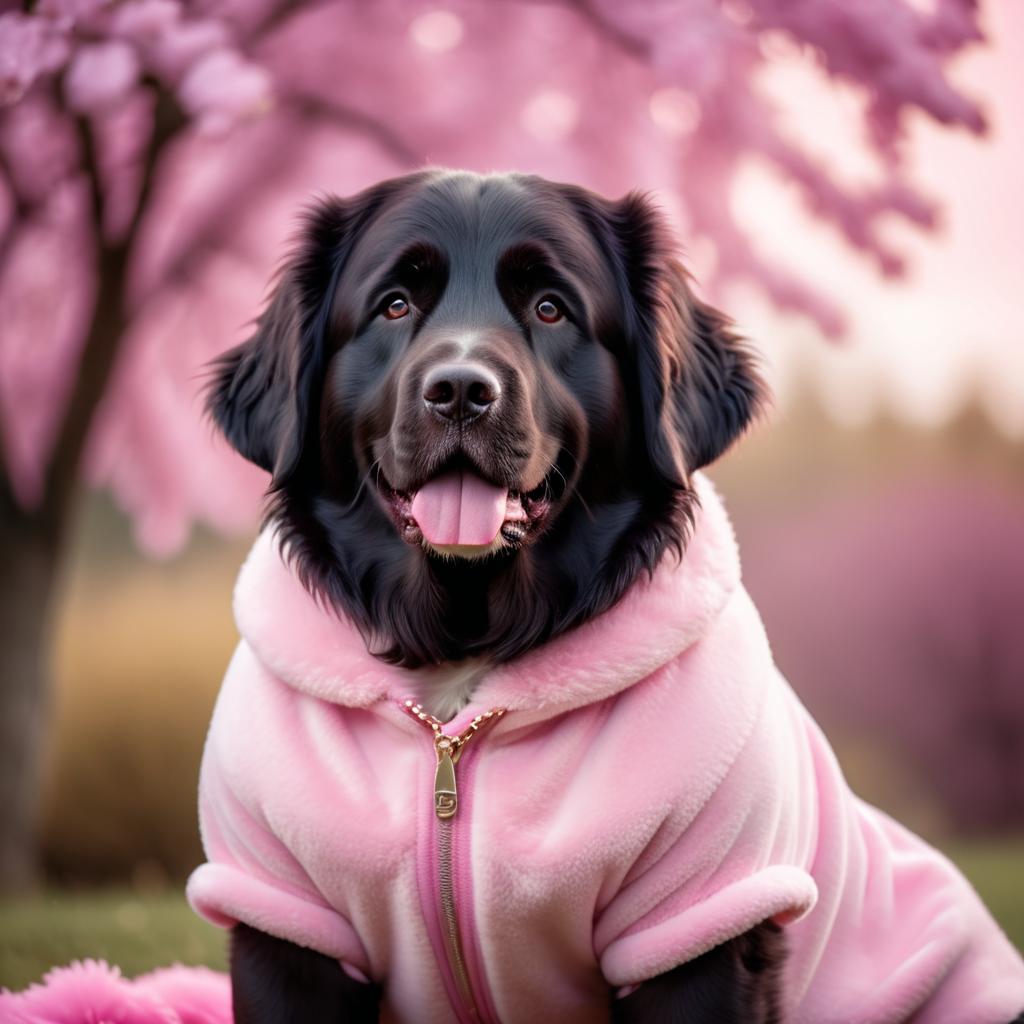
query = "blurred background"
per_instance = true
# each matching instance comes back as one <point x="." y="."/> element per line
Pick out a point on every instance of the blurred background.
<point x="844" y="179"/>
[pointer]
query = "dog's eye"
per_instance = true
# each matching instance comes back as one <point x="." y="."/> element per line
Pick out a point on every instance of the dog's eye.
<point x="396" y="308"/>
<point x="549" y="311"/>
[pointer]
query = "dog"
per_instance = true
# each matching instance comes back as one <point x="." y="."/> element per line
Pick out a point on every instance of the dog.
<point x="484" y="402"/>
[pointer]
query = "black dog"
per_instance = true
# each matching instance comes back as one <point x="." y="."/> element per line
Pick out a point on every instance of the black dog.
<point x="548" y="339"/>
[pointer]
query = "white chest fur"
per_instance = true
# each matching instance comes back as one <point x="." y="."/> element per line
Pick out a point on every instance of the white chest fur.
<point x="444" y="690"/>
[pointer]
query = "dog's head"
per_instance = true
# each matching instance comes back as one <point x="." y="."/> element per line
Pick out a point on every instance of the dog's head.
<point x="480" y="400"/>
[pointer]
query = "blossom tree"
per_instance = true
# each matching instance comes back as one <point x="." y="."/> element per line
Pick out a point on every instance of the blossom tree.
<point x="153" y="152"/>
<point x="926" y="656"/>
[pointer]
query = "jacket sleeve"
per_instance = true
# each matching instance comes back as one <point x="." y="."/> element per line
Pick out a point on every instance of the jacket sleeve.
<point x="672" y="935"/>
<point x="252" y="874"/>
<point x="732" y="850"/>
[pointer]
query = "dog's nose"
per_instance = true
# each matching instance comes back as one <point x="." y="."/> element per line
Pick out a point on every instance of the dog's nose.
<point x="460" y="391"/>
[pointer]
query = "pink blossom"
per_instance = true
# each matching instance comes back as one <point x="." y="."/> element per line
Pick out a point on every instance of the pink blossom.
<point x="45" y="300"/>
<point x="615" y="96"/>
<point x="39" y="147"/>
<point x="101" y="75"/>
<point x="71" y="10"/>
<point x="222" y="88"/>
<point x="29" y="47"/>
<point x="122" y="132"/>
<point x="145" y="19"/>
<point x="173" y="51"/>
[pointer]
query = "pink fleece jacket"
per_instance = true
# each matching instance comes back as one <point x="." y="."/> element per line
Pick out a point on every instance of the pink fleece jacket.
<point x="652" y="788"/>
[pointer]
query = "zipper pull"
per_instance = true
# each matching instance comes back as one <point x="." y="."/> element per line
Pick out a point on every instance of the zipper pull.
<point x="446" y="795"/>
<point x="448" y="749"/>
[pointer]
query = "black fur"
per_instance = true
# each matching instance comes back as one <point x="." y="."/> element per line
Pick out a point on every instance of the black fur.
<point x="738" y="982"/>
<point x="696" y="385"/>
<point x="647" y="385"/>
<point x="277" y="982"/>
<point x="264" y="394"/>
<point x="603" y="418"/>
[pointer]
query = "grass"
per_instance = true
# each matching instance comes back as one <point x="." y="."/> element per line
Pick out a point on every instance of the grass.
<point x="139" y="932"/>
<point x="996" y="870"/>
<point x="135" y="931"/>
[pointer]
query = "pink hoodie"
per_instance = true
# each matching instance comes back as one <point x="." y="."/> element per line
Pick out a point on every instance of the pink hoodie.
<point x="652" y="788"/>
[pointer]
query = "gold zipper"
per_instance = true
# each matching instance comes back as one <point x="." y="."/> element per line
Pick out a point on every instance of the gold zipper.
<point x="452" y="941"/>
<point x="449" y="750"/>
<point x="446" y="803"/>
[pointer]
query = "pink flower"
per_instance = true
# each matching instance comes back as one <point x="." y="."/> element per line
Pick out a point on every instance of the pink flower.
<point x="72" y="10"/>
<point x="222" y="88"/>
<point x="607" y="94"/>
<point x="29" y="47"/>
<point x="145" y="19"/>
<point x="101" y="75"/>
<point x="177" y="48"/>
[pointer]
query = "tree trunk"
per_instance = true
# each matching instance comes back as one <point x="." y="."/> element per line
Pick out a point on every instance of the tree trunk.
<point x="28" y="552"/>
<point x="30" y="539"/>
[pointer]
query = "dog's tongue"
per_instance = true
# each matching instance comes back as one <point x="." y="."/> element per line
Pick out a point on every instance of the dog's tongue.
<point x="459" y="508"/>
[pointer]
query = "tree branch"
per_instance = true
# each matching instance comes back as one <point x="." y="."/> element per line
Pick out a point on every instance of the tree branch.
<point x="109" y="318"/>
<point x="314" y="106"/>
<point x="279" y="160"/>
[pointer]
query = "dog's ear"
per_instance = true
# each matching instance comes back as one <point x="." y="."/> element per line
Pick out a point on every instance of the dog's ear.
<point x="702" y="385"/>
<point x="264" y="394"/>
<point x="696" y="382"/>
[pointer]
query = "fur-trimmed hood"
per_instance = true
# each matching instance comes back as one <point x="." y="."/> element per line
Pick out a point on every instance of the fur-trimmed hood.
<point x="651" y="789"/>
<point x="309" y="646"/>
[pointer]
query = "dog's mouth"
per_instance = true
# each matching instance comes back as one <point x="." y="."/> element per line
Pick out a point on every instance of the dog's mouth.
<point x="459" y="512"/>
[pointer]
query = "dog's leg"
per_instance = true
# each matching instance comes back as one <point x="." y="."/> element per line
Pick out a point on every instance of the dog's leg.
<point x="277" y="982"/>
<point x="738" y="982"/>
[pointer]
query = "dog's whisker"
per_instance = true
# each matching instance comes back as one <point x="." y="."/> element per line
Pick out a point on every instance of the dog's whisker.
<point x="362" y="484"/>
<point x="576" y="493"/>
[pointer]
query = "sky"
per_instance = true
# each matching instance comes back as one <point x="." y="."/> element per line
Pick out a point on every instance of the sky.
<point x="920" y="347"/>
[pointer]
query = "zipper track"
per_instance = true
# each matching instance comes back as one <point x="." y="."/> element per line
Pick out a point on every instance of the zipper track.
<point x="446" y="889"/>
<point x="449" y="749"/>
